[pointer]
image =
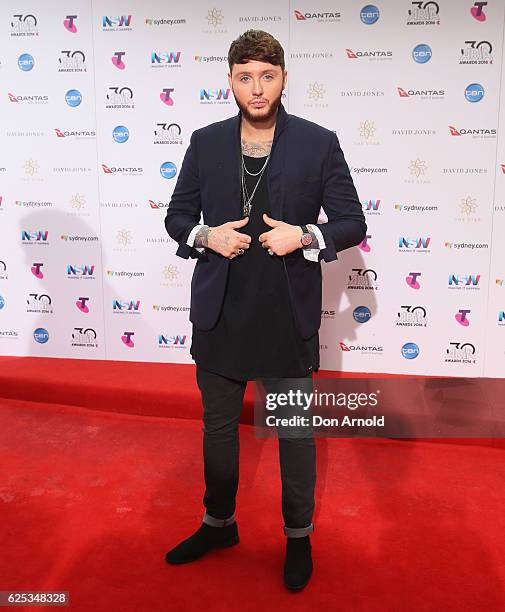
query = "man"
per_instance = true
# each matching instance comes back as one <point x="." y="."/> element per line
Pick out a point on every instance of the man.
<point x="259" y="179"/>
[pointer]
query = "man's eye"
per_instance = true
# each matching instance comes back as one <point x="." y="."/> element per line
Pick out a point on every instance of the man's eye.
<point x="243" y="78"/>
<point x="269" y="77"/>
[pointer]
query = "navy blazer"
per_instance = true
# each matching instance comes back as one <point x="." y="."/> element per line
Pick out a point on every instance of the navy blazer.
<point x="306" y="170"/>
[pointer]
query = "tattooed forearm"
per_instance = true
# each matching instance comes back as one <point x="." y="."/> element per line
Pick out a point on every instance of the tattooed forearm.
<point x="202" y="238"/>
<point x="256" y="149"/>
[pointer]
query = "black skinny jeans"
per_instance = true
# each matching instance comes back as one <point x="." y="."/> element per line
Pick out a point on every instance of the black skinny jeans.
<point x="222" y="400"/>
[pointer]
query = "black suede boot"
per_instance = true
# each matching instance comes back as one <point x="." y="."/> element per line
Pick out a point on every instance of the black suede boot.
<point x="298" y="564"/>
<point x="203" y="540"/>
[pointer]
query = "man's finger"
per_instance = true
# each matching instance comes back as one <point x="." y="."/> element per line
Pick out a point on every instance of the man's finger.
<point x="238" y="223"/>
<point x="271" y="222"/>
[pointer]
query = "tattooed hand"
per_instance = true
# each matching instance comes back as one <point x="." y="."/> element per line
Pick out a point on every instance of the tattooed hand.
<point x="225" y="240"/>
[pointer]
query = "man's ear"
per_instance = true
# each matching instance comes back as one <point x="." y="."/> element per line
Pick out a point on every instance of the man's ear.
<point x="285" y="80"/>
<point x="229" y="80"/>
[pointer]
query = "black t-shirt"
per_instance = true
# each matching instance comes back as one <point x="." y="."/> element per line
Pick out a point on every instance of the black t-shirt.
<point x="255" y="336"/>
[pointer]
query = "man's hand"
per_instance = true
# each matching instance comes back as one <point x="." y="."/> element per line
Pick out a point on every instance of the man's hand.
<point x="283" y="238"/>
<point x="225" y="240"/>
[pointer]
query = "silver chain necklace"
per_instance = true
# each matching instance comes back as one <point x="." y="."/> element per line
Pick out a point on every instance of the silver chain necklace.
<point x="245" y="195"/>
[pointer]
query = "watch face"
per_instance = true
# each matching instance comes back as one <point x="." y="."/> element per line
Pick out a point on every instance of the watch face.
<point x="306" y="239"/>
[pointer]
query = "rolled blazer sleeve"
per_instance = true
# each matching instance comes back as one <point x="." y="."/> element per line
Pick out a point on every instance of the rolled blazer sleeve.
<point x="184" y="209"/>
<point x="346" y="225"/>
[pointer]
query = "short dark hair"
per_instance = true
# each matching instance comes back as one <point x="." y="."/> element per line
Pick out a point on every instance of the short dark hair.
<point x="256" y="45"/>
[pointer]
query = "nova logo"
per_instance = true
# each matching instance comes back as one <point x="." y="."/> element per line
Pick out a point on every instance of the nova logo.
<point x="81" y="304"/>
<point x="127" y="339"/>
<point x="80" y="270"/>
<point x="468" y="280"/>
<point x="371" y="206"/>
<point x="501" y="317"/>
<point x="36" y="270"/>
<point x="502" y="168"/>
<point x="413" y="243"/>
<point x="162" y="58"/>
<point x="116" y="23"/>
<point x="460" y="317"/>
<point x="69" y="24"/>
<point x="412" y="281"/>
<point x="364" y="245"/>
<point x="210" y="95"/>
<point x="127" y="306"/>
<point x="165" y="340"/>
<point x="476" y="11"/>
<point x="165" y="96"/>
<point x="117" y="59"/>
<point x="34" y="236"/>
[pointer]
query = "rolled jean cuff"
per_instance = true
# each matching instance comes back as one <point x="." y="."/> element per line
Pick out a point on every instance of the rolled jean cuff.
<point x="298" y="532"/>
<point x="216" y="522"/>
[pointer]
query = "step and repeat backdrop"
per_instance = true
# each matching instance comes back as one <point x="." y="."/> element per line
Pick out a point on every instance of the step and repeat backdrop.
<point x="98" y="101"/>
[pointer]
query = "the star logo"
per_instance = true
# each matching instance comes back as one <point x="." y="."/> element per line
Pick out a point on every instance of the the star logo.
<point x="468" y="206"/>
<point x="316" y="91"/>
<point x="418" y="167"/>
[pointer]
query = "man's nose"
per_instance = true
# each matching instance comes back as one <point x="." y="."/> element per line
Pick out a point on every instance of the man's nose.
<point x="257" y="87"/>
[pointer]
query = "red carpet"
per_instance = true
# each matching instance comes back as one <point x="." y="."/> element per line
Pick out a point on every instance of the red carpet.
<point x="91" y="500"/>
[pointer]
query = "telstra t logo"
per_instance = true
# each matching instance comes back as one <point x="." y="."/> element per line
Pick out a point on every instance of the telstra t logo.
<point x="460" y="317"/>
<point x="81" y="304"/>
<point x="37" y="270"/>
<point x="165" y="96"/>
<point x="412" y="281"/>
<point x="117" y="59"/>
<point x="477" y="12"/>
<point x="69" y="24"/>
<point x="364" y="245"/>
<point x="127" y="339"/>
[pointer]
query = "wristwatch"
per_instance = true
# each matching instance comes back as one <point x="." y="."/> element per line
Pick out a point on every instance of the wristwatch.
<point x="306" y="238"/>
